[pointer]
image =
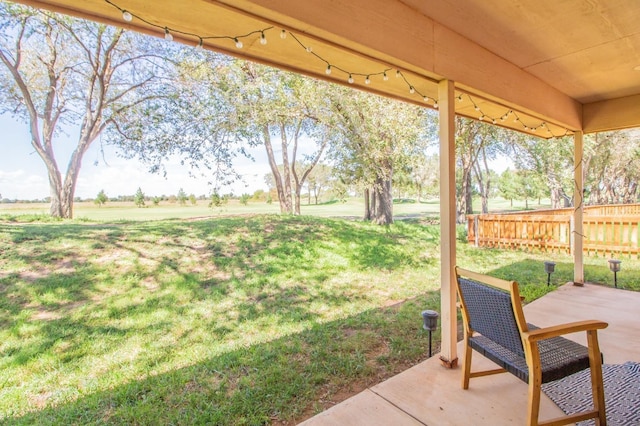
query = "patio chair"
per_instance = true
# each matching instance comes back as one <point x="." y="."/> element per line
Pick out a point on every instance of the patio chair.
<point x="495" y="326"/>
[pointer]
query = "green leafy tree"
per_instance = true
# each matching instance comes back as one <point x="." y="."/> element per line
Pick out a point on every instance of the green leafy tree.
<point x="244" y="199"/>
<point x="193" y="200"/>
<point x="262" y="105"/>
<point x="612" y="166"/>
<point x="217" y="200"/>
<point x="508" y="185"/>
<point x="138" y="198"/>
<point x="377" y="138"/>
<point x="182" y="197"/>
<point x="156" y="200"/>
<point x="59" y="71"/>
<point x="319" y="181"/>
<point x="101" y="198"/>
<point x="549" y="161"/>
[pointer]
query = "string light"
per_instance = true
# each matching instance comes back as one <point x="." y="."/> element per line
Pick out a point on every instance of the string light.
<point x="169" y="32"/>
<point x="516" y="118"/>
<point x="237" y="40"/>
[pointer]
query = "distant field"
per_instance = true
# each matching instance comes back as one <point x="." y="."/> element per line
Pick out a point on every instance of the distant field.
<point x="117" y="211"/>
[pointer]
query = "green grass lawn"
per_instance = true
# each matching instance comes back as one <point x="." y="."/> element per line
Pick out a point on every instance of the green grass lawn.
<point x="228" y="320"/>
<point x="353" y="207"/>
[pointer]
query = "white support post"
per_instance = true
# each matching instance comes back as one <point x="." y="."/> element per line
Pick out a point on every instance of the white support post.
<point x="446" y="100"/>
<point x="578" y="207"/>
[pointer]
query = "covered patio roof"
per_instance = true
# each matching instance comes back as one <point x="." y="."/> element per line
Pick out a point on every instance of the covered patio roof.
<point x="547" y="68"/>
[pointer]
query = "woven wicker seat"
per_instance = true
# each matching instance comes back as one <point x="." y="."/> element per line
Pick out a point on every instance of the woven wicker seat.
<point x="495" y="326"/>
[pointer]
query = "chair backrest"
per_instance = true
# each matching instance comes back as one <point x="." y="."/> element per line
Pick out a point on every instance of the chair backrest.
<point x="490" y="312"/>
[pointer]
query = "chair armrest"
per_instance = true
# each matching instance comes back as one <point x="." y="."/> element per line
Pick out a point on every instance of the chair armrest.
<point x="559" y="330"/>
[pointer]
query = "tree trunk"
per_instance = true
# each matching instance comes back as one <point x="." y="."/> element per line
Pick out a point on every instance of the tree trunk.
<point x="274" y="169"/>
<point x="367" y="204"/>
<point x="383" y="215"/>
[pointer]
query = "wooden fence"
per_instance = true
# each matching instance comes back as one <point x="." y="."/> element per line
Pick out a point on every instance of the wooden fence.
<point x="606" y="230"/>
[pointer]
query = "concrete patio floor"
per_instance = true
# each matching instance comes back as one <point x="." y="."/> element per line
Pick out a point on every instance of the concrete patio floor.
<point x="429" y="394"/>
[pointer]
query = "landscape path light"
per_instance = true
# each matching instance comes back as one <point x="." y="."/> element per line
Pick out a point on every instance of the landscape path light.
<point x="614" y="265"/>
<point x="549" y="268"/>
<point x="429" y="323"/>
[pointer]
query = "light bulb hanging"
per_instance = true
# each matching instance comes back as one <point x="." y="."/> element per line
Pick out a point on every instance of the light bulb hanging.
<point x="167" y="34"/>
<point x="127" y="16"/>
<point x="263" y="38"/>
<point x="350" y="80"/>
<point x="238" y="43"/>
<point x="412" y="90"/>
<point x="283" y="34"/>
<point x="328" y="70"/>
<point x="385" y="77"/>
<point x="367" y="80"/>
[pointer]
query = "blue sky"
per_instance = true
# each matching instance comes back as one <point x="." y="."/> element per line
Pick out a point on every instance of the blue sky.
<point x="24" y="176"/>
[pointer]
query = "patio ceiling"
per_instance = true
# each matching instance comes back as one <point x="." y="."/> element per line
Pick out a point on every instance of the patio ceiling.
<point x="546" y="67"/>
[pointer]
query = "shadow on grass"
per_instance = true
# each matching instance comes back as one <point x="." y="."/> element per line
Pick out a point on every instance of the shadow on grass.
<point x="284" y="380"/>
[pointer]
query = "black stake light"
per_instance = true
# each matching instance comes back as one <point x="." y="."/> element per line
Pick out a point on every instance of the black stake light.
<point x="430" y="323"/>
<point x="614" y="265"/>
<point x="549" y="268"/>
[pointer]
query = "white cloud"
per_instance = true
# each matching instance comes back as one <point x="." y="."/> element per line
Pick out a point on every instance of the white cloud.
<point x="18" y="184"/>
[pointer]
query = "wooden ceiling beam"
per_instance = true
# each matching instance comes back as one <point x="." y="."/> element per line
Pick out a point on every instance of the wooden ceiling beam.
<point x="620" y="113"/>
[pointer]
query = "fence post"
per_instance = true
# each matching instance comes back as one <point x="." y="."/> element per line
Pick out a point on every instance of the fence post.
<point x="475" y="229"/>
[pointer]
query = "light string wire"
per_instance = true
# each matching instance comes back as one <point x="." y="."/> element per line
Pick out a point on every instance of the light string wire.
<point x="482" y="116"/>
<point x="367" y="76"/>
<point x="237" y="39"/>
<point x="168" y="31"/>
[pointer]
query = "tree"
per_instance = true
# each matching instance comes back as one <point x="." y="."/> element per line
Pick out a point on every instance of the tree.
<point x="59" y="72"/>
<point x="138" y="199"/>
<point x="319" y="180"/>
<point x="612" y="166"/>
<point x="508" y="185"/>
<point x="192" y="199"/>
<point x="263" y="106"/>
<point x="547" y="160"/>
<point x="378" y="137"/>
<point x="426" y="177"/>
<point x="182" y="197"/>
<point x="101" y="198"/>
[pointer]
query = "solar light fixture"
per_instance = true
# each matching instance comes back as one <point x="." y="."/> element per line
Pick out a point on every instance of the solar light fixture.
<point x="549" y="268"/>
<point x="614" y="265"/>
<point x="430" y="323"/>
